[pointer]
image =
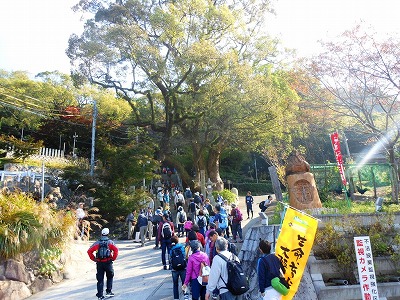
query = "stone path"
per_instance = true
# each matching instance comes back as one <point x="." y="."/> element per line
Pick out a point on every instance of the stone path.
<point x="138" y="271"/>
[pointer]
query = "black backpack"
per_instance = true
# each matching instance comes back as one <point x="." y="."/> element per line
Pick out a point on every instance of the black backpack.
<point x="178" y="261"/>
<point x="104" y="250"/>
<point x="237" y="281"/>
<point x="181" y="217"/>
<point x="166" y="231"/>
<point x="261" y="205"/>
<point x="201" y="222"/>
<point x="232" y="248"/>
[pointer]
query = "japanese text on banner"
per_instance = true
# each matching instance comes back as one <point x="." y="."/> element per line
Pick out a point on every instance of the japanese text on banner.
<point x="294" y="245"/>
<point x="338" y="155"/>
<point x="366" y="271"/>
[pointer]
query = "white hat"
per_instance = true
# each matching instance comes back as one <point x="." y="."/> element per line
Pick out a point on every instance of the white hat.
<point x="105" y="231"/>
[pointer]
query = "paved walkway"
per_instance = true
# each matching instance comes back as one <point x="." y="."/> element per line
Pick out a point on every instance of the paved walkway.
<point x="138" y="271"/>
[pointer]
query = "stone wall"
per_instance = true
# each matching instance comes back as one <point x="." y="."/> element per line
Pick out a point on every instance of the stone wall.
<point x="312" y="285"/>
<point x="250" y="253"/>
<point x="19" y="279"/>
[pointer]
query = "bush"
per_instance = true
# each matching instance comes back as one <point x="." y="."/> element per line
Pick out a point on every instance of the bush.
<point x="26" y="225"/>
<point x="335" y="241"/>
<point x="256" y="189"/>
<point x="226" y="194"/>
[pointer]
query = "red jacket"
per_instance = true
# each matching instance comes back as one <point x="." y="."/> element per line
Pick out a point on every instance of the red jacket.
<point x="200" y="238"/>
<point x="95" y="247"/>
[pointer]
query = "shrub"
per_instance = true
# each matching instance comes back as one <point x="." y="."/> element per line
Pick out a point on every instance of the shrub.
<point x="226" y="194"/>
<point x="26" y="225"/>
<point x="335" y="241"/>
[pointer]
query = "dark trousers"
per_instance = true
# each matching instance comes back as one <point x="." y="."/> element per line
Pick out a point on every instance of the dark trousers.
<point x="175" y="281"/>
<point x="165" y="249"/>
<point x="180" y="229"/>
<point x="198" y="291"/>
<point x="237" y="229"/>
<point x="104" y="267"/>
<point x="249" y="209"/>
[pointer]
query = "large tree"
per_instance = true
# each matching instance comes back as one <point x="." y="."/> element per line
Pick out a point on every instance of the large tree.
<point x="169" y="59"/>
<point x="360" y="76"/>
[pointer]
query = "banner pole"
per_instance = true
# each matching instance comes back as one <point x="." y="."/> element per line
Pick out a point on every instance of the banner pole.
<point x="300" y="211"/>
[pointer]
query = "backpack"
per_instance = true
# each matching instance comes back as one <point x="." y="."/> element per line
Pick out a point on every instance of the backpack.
<point x="181" y="217"/>
<point x="188" y="225"/>
<point x="224" y="218"/>
<point x="261" y="205"/>
<point x="203" y="274"/>
<point x="178" y="261"/>
<point x="166" y="231"/>
<point x="201" y="222"/>
<point x="188" y="251"/>
<point x="197" y="199"/>
<point x="237" y="281"/>
<point x="104" y="251"/>
<point x="232" y="248"/>
<point x="238" y="215"/>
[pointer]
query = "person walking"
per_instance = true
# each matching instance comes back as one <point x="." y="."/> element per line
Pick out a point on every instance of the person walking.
<point x="219" y="272"/>
<point x="165" y="232"/>
<point x="201" y="221"/>
<point x="193" y="270"/>
<point x="178" y="264"/>
<point x="268" y="267"/>
<point x="160" y="197"/>
<point x="236" y="216"/>
<point x="149" y="216"/>
<point x="130" y="221"/>
<point x="249" y="204"/>
<point x="157" y="219"/>
<point x="180" y="220"/>
<point x="107" y="252"/>
<point x="142" y="224"/>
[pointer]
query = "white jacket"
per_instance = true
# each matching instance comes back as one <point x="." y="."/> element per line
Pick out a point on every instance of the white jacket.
<point x="218" y="270"/>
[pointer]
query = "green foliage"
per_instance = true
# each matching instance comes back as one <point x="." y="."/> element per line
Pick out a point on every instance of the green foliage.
<point x="20" y="149"/>
<point x="335" y="240"/>
<point x="48" y="261"/>
<point x="358" y="206"/>
<point x="256" y="189"/>
<point x="26" y="225"/>
<point x="226" y="194"/>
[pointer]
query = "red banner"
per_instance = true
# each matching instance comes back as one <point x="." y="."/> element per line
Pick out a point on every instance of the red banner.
<point x="338" y="155"/>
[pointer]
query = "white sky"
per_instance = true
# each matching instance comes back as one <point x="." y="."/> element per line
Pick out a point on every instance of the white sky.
<point x="34" y="33"/>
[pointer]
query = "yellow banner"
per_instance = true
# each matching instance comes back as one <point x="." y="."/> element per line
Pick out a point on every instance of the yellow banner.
<point x="294" y="245"/>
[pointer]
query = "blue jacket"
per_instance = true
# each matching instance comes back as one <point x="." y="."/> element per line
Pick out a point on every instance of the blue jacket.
<point x="268" y="267"/>
<point x="142" y="220"/>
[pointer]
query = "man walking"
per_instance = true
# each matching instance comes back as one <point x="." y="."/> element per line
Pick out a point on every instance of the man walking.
<point x="165" y="232"/>
<point x="107" y="252"/>
<point x="219" y="272"/>
<point x="237" y="218"/>
<point x="249" y="204"/>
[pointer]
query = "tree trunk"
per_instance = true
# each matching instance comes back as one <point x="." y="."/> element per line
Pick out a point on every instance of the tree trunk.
<point x="213" y="168"/>
<point x="199" y="164"/>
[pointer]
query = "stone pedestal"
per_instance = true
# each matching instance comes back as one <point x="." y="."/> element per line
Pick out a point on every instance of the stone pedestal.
<point x="303" y="192"/>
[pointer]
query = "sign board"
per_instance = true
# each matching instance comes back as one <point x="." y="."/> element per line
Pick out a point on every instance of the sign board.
<point x="366" y="270"/>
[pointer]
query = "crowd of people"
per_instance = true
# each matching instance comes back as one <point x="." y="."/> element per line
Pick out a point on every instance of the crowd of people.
<point x="197" y="242"/>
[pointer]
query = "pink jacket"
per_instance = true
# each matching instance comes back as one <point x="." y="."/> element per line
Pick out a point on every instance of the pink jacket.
<point x="194" y="263"/>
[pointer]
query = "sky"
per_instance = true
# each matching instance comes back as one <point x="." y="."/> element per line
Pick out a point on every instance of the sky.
<point x="34" y="33"/>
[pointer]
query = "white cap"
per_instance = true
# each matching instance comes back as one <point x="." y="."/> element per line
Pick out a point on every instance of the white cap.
<point x="105" y="231"/>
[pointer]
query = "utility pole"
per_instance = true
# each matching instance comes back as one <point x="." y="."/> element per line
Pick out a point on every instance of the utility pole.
<point x="255" y="167"/>
<point x="93" y="138"/>
<point x="73" y="148"/>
